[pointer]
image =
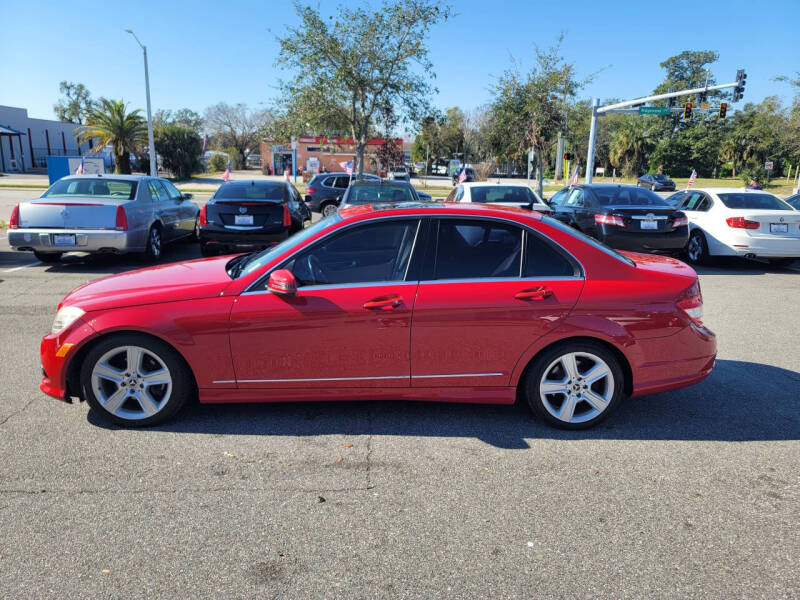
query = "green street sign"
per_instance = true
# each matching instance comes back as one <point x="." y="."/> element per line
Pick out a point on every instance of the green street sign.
<point x="653" y="110"/>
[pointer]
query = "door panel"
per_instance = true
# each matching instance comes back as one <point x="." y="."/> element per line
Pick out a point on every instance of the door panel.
<point x="324" y="337"/>
<point x="477" y="331"/>
<point x="165" y="209"/>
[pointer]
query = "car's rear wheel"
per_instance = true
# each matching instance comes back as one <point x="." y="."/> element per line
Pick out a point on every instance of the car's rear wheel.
<point x="152" y="250"/>
<point x="135" y="380"/>
<point x="328" y="209"/>
<point x="47" y="257"/>
<point x="574" y="385"/>
<point x="697" y="248"/>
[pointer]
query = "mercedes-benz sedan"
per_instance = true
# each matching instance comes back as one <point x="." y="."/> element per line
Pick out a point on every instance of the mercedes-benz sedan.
<point x="443" y="302"/>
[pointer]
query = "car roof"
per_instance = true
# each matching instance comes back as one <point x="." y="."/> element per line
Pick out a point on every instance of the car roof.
<point x="381" y="182"/>
<point x="473" y="184"/>
<point x="344" y="174"/>
<point x="434" y="208"/>
<point x="728" y="190"/>
<point x="108" y="176"/>
<point x="255" y="182"/>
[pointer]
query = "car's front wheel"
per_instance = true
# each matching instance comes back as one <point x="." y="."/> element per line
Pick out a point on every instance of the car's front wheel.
<point x="135" y="380"/>
<point x="574" y="385"/>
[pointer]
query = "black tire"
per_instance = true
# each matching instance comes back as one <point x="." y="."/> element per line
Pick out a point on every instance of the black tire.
<point x="47" y="257"/>
<point x="697" y="248"/>
<point x="154" y="244"/>
<point x="207" y="250"/>
<point x="195" y="237"/>
<point x="182" y="382"/>
<point x="328" y="208"/>
<point x="782" y="262"/>
<point x="585" y="413"/>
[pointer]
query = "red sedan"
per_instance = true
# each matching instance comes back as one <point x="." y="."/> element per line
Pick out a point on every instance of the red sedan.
<point x="448" y="302"/>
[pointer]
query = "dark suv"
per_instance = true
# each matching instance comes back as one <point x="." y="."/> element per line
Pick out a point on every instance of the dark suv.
<point x="325" y="190"/>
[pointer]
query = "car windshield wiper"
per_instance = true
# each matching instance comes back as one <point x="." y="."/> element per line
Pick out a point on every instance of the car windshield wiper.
<point x="236" y="265"/>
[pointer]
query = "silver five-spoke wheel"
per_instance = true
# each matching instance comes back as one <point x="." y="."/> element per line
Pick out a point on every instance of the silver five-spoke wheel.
<point x="131" y="382"/>
<point x="576" y="387"/>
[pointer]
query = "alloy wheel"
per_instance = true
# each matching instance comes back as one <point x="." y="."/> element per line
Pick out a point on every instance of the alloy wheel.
<point x="576" y="387"/>
<point x="328" y="210"/>
<point x="155" y="242"/>
<point x="131" y="382"/>
<point x="694" y="248"/>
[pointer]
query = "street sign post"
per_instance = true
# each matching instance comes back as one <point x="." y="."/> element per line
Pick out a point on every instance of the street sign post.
<point x="768" y="165"/>
<point x="654" y="110"/>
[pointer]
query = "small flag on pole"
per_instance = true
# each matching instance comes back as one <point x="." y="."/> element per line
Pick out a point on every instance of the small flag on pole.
<point x="463" y="176"/>
<point x="574" y="179"/>
<point x="80" y="170"/>
<point x="286" y="174"/>
<point x="347" y="166"/>
<point x="692" y="177"/>
<point x="226" y="175"/>
<point x="205" y="143"/>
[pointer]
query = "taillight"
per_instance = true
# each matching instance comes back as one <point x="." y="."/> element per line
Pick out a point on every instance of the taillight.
<point x="741" y="223"/>
<point x="691" y="302"/>
<point x="202" y="220"/>
<point x="609" y="220"/>
<point x="680" y="221"/>
<point x="287" y="216"/>
<point x="311" y="190"/>
<point x="14" y="222"/>
<point x="122" y="219"/>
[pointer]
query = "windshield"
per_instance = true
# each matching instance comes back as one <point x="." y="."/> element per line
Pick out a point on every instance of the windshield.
<point x="660" y="177"/>
<point x="747" y="200"/>
<point x="110" y="189"/>
<point x="627" y="196"/>
<point x="582" y="236"/>
<point x="253" y="262"/>
<point x="250" y="192"/>
<point x="502" y="193"/>
<point x="374" y="194"/>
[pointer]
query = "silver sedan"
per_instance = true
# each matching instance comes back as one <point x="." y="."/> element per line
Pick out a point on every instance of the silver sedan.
<point x="103" y="213"/>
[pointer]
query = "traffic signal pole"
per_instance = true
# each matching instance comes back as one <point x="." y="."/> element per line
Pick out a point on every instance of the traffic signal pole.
<point x="598" y="110"/>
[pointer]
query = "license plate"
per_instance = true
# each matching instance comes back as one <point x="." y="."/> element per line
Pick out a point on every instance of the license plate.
<point x="63" y="239"/>
<point x="649" y="224"/>
<point x="779" y="228"/>
<point x="243" y="219"/>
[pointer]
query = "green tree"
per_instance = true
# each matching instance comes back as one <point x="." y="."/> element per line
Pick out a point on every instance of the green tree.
<point x="114" y="126"/>
<point x="180" y="148"/>
<point x="184" y="117"/>
<point x="362" y="64"/>
<point x="75" y="104"/>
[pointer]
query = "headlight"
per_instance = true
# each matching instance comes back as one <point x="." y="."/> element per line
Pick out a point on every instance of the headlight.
<point x="66" y="317"/>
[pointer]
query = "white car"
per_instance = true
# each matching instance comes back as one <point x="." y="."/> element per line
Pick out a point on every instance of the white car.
<point x="739" y="222"/>
<point x="502" y="194"/>
<point x="399" y="174"/>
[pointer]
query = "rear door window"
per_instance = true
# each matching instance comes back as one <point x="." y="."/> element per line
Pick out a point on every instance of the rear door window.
<point x="542" y="259"/>
<point x="341" y="183"/>
<point x="472" y="249"/>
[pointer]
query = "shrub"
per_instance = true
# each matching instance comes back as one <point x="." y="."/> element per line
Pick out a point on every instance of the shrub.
<point x="217" y="162"/>
<point x="180" y="149"/>
<point x="235" y="158"/>
<point x="726" y="170"/>
<point x="484" y="170"/>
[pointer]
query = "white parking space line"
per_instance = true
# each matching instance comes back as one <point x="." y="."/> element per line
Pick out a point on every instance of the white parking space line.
<point x="33" y="264"/>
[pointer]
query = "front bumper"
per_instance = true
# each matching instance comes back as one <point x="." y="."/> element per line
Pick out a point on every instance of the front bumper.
<point x="666" y="241"/>
<point x="55" y="353"/>
<point x="86" y="240"/>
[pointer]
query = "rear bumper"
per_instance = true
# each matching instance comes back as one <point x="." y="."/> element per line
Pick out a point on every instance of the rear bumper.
<point x="762" y="246"/>
<point x="254" y="238"/>
<point x="645" y="242"/>
<point x="86" y="240"/>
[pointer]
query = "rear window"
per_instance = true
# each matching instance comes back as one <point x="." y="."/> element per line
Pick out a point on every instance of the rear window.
<point x="111" y="189"/>
<point x="250" y="192"/>
<point x="373" y="194"/>
<point x="502" y="193"/>
<point x="659" y="177"/>
<point x="627" y="196"/>
<point x="585" y="238"/>
<point x="745" y="200"/>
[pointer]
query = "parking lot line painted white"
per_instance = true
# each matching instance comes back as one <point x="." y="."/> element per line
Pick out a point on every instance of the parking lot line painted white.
<point x="33" y="264"/>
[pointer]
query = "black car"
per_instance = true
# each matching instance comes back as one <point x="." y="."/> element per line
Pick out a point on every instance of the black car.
<point x="656" y="182"/>
<point x="471" y="175"/>
<point x="325" y="190"/>
<point x="379" y="192"/>
<point x="250" y="215"/>
<point x="623" y="216"/>
<point x="794" y="201"/>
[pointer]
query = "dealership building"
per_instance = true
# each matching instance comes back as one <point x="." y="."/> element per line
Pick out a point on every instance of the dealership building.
<point x="25" y="142"/>
<point x="319" y="153"/>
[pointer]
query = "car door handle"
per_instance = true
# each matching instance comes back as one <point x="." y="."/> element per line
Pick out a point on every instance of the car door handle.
<point x="539" y="293"/>
<point x="384" y="303"/>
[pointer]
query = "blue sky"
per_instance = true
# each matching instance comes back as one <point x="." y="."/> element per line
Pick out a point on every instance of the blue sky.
<point x="204" y="52"/>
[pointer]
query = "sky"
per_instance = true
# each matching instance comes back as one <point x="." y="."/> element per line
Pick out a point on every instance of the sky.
<point x="201" y="52"/>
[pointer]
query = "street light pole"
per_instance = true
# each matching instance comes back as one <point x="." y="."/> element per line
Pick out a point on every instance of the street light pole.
<point x="150" y="140"/>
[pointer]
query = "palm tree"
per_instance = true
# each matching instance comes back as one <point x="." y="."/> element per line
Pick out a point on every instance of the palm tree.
<point x="627" y="147"/>
<point x="110" y="122"/>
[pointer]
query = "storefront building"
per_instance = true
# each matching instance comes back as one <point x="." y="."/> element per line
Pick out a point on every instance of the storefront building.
<point x="319" y="154"/>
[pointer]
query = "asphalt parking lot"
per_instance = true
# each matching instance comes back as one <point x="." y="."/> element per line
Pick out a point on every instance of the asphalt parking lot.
<point x="680" y="494"/>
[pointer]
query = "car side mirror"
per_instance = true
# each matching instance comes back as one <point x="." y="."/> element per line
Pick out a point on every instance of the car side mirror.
<point x="187" y="196"/>
<point x="282" y="282"/>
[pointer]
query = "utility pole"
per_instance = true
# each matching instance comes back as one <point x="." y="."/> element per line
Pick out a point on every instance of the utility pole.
<point x="592" y="140"/>
<point x="427" y="158"/>
<point x="150" y="141"/>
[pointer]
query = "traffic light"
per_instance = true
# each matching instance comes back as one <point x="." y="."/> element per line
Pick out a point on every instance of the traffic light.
<point x="687" y="111"/>
<point x="741" y="80"/>
<point x="723" y="110"/>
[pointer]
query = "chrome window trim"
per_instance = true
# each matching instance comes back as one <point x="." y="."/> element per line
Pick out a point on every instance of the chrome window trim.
<point x="337" y="286"/>
<point x="503" y="279"/>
